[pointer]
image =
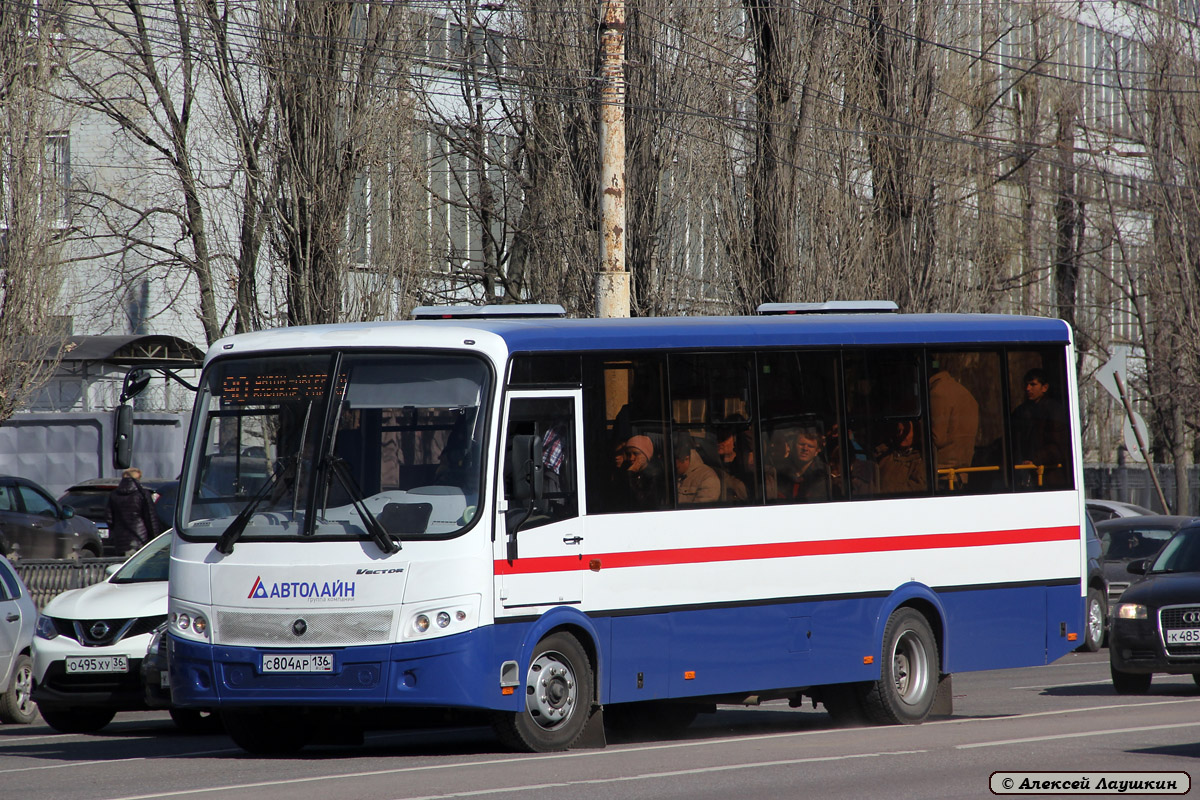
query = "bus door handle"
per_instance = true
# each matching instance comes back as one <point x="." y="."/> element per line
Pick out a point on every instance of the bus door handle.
<point x="572" y="539"/>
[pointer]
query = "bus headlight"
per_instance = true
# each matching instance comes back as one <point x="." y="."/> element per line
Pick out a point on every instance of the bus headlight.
<point x="188" y="623"/>
<point x="1131" y="611"/>
<point x="442" y="617"/>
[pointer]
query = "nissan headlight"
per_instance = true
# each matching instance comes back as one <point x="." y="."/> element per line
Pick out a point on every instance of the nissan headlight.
<point x="45" y="627"/>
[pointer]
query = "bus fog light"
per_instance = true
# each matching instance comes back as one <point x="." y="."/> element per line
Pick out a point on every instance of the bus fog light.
<point x="421" y="623"/>
<point x="443" y="619"/>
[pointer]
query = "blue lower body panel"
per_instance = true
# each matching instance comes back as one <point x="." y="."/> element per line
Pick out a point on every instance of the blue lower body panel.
<point x="651" y="656"/>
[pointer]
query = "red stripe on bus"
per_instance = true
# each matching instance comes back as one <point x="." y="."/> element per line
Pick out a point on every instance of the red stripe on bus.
<point x="751" y="552"/>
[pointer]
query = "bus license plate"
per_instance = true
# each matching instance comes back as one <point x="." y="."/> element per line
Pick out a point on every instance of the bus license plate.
<point x="1184" y="636"/>
<point x="303" y="662"/>
<point x="76" y="664"/>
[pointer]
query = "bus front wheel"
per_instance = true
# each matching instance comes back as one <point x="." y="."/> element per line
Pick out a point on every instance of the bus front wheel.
<point x="558" y="698"/>
<point x="908" y="680"/>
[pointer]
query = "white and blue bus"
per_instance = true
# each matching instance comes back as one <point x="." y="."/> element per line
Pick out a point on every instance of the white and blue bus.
<point x="557" y="519"/>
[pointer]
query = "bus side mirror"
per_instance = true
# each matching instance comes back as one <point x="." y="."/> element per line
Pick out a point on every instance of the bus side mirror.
<point x="136" y="380"/>
<point x="123" y="437"/>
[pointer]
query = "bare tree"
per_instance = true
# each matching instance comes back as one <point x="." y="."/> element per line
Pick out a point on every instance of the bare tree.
<point x="1172" y="146"/>
<point x="135" y="65"/>
<point x="336" y="71"/>
<point x="33" y="201"/>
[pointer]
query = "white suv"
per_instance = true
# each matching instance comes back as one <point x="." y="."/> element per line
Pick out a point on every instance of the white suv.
<point x="90" y="643"/>
<point x="18" y="615"/>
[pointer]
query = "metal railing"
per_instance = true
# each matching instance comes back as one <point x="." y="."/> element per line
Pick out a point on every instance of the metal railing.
<point x="47" y="578"/>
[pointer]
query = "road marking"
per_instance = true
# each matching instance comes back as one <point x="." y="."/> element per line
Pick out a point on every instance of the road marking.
<point x="1060" y="711"/>
<point x="660" y="775"/>
<point x="118" y="760"/>
<point x="1061" y="685"/>
<point x="646" y="776"/>
<point x="1079" y="735"/>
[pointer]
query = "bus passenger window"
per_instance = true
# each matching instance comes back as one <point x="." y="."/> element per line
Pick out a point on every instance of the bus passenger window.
<point x="1040" y="433"/>
<point x="625" y="413"/>
<point x="966" y="417"/>
<point x="711" y="403"/>
<point x="802" y="457"/>
<point x="884" y="399"/>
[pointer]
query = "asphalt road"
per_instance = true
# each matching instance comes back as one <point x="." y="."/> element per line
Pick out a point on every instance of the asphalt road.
<point x="1061" y="717"/>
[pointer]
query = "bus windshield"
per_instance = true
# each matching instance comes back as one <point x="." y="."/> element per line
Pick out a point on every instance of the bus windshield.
<point x="335" y="446"/>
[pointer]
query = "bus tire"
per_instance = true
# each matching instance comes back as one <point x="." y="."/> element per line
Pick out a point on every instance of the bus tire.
<point x="266" y="731"/>
<point x="908" y="679"/>
<point x="1094" y="622"/>
<point x="558" y="698"/>
<point x="76" y="720"/>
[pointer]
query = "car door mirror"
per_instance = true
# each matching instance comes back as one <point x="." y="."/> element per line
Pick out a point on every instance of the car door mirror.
<point x="1137" y="567"/>
<point x="67" y="512"/>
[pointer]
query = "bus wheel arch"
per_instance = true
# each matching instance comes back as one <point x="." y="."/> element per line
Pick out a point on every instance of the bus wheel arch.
<point x="910" y="669"/>
<point x="560" y="693"/>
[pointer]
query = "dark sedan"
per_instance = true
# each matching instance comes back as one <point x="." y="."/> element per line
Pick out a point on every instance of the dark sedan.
<point x="90" y="499"/>
<point x="34" y="525"/>
<point x="1156" y="626"/>
<point x="1129" y="539"/>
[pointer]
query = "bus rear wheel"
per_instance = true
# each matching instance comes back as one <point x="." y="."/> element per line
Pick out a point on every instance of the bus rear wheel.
<point x="908" y="680"/>
<point x="558" y="698"/>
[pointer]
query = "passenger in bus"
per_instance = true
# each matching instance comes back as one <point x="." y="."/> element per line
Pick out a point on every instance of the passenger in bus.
<point x="864" y="473"/>
<point x="695" y="481"/>
<point x="1040" y="433"/>
<point x="644" y="476"/>
<point x="737" y="463"/>
<point x="803" y="476"/>
<point x="953" y="420"/>
<point x="902" y="467"/>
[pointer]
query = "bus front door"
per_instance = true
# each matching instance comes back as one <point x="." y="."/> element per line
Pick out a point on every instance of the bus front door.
<point x="539" y="527"/>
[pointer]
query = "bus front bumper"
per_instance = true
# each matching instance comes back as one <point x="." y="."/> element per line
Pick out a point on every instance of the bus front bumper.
<point x="459" y="671"/>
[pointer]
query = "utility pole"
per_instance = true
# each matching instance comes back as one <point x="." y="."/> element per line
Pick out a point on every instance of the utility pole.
<point x="612" y="281"/>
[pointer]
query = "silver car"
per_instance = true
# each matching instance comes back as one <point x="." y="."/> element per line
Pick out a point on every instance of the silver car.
<point x="18" y="617"/>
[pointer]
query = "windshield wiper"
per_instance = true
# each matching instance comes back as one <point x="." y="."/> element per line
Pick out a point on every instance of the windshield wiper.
<point x="238" y="526"/>
<point x="374" y="528"/>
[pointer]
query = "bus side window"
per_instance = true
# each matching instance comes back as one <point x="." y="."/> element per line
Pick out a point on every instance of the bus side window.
<point x="886" y="421"/>
<point x="712" y="407"/>
<point x="966" y="407"/>
<point x="1041" y="441"/>
<point x="802" y="456"/>
<point x="550" y="424"/>
<point x="626" y="430"/>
